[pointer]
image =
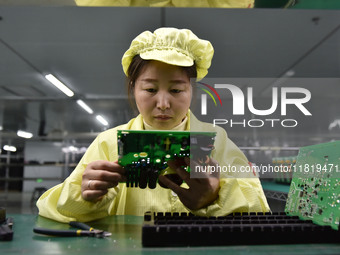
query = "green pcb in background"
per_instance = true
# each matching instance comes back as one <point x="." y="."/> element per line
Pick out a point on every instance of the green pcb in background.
<point x="314" y="193"/>
<point x="317" y="4"/>
<point x="298" y="4"/>
<point x="271" y="3"/>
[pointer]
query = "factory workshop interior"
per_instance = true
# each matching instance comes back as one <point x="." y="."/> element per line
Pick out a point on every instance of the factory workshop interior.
<point x="283" y="56"/>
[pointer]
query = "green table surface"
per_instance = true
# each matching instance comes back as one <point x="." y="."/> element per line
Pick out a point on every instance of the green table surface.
<point x="125" y="239"/>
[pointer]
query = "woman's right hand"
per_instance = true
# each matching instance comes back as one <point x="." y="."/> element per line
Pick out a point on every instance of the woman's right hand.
<point x="98" y="177"/>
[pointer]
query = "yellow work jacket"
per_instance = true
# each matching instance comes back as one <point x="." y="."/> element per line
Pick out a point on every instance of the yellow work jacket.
<point x="64" y="202"/>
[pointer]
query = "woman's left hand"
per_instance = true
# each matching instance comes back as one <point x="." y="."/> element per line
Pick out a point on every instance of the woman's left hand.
<point x="201" y="192"/>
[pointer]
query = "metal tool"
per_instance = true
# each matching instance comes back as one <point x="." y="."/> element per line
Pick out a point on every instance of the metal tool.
<point x="6" y="232"/>
<point x="82" y="230"/>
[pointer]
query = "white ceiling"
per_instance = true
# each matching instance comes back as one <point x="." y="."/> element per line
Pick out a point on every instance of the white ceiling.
<point x="83" y="47"/>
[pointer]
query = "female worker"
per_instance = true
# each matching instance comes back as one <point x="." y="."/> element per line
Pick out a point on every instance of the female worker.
<point x="159" y="67"/>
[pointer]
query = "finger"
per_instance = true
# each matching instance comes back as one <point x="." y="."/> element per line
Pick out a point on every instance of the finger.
<point x="201" y="173"/>
<point x="100" y="185"/>
<point x="183" y="174"/>
<point x="214" y="163"/>
<point x="103" y="175"/>
<point x="171" y="185"/>
<point x="106" y="165"/>
<point x="93" y="195"/>
<point x="210" y="170"/>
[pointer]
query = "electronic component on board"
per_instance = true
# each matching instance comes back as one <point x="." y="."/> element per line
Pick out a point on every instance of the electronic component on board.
<point x="144" y="154"/>
<point x="315" y="189"/>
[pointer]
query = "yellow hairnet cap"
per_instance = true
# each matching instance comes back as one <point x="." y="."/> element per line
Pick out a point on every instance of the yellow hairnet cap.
<point x="173" y="46"/>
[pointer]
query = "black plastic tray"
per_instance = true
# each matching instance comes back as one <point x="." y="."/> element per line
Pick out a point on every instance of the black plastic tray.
<point x="183" y="229"/>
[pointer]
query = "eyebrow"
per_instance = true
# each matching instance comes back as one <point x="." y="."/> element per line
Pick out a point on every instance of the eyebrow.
<point x="171" y="81"/>
<point x="149" y="80"/>
<point x="178" y="81"/>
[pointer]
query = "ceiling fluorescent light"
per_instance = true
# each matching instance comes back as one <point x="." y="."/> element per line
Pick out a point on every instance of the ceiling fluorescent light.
<point x="289" y="73"/>
<point x="1" y="128"/>
<point x="334" y="124"/>
<point x="24" y="134"/>
<point x="9" y="148"/>
<point x="84" y="106"/>
<point x="59" y="85"/>
<point x="102" y="120"/>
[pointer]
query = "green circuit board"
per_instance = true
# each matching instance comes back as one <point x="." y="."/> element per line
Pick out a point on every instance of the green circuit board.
<point x="144" y="154"/>
<point x="315" y="189"/>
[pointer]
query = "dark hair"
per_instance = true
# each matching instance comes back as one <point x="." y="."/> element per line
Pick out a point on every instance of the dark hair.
<point x="135" y="68"/>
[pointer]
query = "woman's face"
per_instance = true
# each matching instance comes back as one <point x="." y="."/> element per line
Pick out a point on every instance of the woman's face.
<point x="163" y="95"/>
